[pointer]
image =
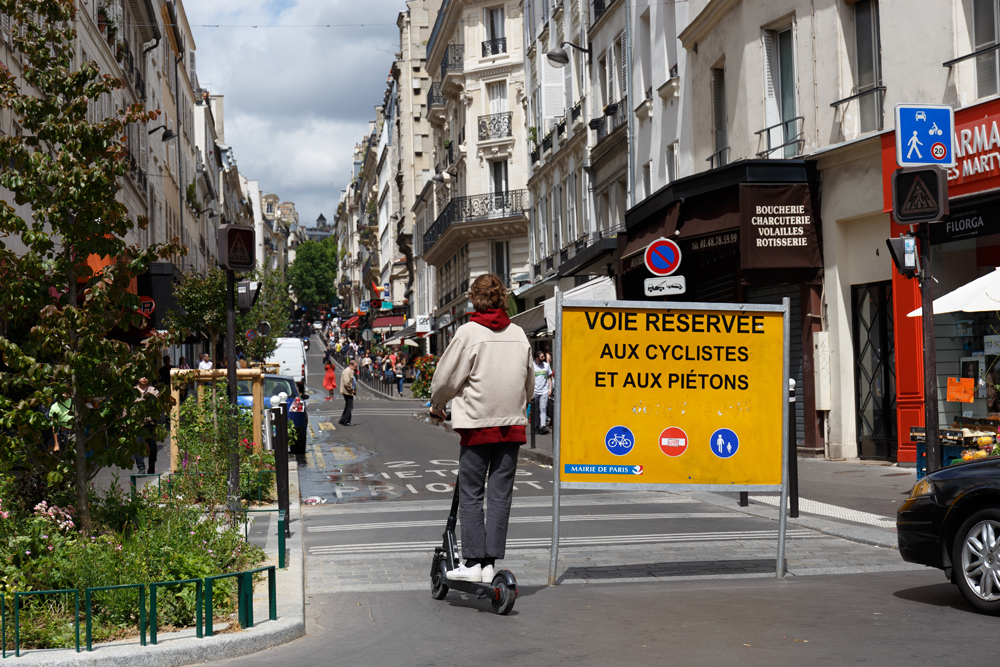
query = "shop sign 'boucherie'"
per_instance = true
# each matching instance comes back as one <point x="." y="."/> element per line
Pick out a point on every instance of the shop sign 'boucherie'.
<point x="778" y="229"/>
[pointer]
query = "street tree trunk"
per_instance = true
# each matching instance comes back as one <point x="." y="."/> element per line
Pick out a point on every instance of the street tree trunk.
<point x="79" y="431"/>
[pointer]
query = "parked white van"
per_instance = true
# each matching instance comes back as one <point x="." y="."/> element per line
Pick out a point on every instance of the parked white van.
<point x="290" y="355"/>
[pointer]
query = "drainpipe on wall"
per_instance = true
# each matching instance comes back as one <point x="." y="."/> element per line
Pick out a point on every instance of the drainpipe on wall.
<point x="630" y="95"/>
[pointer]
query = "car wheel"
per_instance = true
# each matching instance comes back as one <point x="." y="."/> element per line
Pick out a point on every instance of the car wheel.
<point x="976" y="555"/>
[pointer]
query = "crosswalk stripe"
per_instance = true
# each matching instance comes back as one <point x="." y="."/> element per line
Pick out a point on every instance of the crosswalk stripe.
<point x="542" y="518"/>
<point x="537" y="542"/>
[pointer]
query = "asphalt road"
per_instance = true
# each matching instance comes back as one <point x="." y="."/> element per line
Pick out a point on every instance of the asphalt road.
<point x="644" y="578"/>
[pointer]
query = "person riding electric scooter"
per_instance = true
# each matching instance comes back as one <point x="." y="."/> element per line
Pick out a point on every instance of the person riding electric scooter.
<point x="487" y="374"/>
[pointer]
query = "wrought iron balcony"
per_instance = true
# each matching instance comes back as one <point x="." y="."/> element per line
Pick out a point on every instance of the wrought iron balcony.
<point x="620" y="116"/>
<point x="494" y="47"/>
<point x="495" y="126"/>
<point x="477" y="207"/>
<point x="454" y="59"/>
<point x="434" y="96"/>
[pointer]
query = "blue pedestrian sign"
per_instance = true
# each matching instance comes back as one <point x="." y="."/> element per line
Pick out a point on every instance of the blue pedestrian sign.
<point x="619" y="440"/>
<point x="924" y="135"/>
<point x="724" y="443"/>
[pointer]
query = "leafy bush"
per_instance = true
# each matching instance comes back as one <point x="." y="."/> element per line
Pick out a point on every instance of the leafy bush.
<point x="425" y="367"/>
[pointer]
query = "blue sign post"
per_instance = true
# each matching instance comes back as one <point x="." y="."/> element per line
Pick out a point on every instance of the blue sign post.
<point x="924" y="135"/>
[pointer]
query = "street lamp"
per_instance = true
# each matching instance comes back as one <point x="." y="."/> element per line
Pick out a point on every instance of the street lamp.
<point x="559" y="58"/>
<point x="167" y="135"/>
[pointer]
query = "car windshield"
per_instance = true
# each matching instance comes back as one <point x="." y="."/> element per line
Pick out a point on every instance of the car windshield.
<point x="272" y="387"/>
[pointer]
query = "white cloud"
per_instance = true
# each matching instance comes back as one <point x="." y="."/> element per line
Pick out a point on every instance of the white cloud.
<point x="298" y="99"/>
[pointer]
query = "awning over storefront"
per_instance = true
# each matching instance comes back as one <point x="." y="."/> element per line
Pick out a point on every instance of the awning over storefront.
<point x="351" y="323"/>
<point x="531" y="320"/>
<point x="388" y="322"/>
<point x="542" y="318"/>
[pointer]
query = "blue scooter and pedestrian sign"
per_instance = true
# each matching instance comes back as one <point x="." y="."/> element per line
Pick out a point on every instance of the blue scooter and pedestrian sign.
<point x="924" y="134"/>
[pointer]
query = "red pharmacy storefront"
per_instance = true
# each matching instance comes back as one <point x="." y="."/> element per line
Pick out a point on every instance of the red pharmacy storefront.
<point x="964" y="246"/>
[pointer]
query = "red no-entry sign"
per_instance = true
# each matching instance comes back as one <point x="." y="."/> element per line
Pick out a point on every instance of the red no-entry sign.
<point x="663" y="257"/>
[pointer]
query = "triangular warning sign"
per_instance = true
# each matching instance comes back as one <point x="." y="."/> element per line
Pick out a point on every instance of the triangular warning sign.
<point x="239" y="253"/>
<point x="919" y="199"/>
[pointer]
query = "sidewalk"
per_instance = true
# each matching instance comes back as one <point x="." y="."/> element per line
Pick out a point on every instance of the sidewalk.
<point x="183" y="648"/>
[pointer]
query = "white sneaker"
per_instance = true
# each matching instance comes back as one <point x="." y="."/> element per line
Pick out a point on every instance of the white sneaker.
<point x="487" y="574"/>
<point x="463" y="573"/>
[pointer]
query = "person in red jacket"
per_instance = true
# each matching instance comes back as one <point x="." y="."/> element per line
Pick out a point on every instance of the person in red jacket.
<point x="487" y="374"/>
<point x="330" y="381"/>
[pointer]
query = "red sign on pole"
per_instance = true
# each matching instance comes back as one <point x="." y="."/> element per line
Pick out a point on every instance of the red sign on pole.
<point x="663" y="257"/>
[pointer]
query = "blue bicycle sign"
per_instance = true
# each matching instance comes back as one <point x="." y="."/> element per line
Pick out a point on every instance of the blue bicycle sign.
<point x="619" y="440"/>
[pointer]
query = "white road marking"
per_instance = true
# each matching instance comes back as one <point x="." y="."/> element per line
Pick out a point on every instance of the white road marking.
<point x="545" y="542"/>
<point x="608" y="499"/>
<point x="540" y="518"/>
<point x="835" y="511"/>
<point x="411" y="488"/>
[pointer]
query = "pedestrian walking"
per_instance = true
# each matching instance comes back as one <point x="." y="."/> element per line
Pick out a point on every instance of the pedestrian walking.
<point x="543" y="389"/>
<point x="165" y="373"/>
<point x="399" y="376"/>
<point x="348" y="387"/>
<point x="486" y="372"/>
<point x="330" y="381"/>
<point x="148" y="433"/>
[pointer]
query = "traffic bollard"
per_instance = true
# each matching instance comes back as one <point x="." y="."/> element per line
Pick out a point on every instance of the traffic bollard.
<point x="280" y="418"/>
<point x="793" y="457"/>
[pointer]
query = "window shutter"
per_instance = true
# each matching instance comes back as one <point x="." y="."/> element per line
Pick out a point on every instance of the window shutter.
<point x="143" y="139"/>
<point x="623" y="59"/>
<point x="772" y="114"/>
<point x="553" y="91"/>
<point x="5" y="27"/>
<point x="568" y="81"/>
<point x="610" y="71"/>
<point x="719" y="107"/>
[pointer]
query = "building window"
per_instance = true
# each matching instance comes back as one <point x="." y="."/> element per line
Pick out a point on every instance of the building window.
<point x="984" y="34"/>
<point x="498" y="176"/>
<point x="498" y="96"/>
<point x="496" y="40"/>
<point x="501" y="260"/>
<point x="571" y="206"/>
<point x="719" y="117"/>
<point x="647" y="179"/>
<point x="779" y="91"/>
<point x="671" y="159"/>
<point x="868" y="63"/>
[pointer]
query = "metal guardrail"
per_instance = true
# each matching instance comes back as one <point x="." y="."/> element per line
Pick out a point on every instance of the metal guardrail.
<point x="453" y="60"/>
<point x="494" y="47"/>
<point x="198" y="583"/>
<point x="89" y="617"/>
<point x="272" y="594"/>
<point x="282" y="526"/>
<point x="477" y="207"/>
<point x="495" y="126"/>
<point x="17" y="616"/>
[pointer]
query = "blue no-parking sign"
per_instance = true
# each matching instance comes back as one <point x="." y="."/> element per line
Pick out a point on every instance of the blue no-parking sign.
<point x="924" y="134"/>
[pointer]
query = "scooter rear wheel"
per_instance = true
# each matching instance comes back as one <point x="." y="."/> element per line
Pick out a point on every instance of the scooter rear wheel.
<point x="438" y="588"/>
<point x="505" y="604"/>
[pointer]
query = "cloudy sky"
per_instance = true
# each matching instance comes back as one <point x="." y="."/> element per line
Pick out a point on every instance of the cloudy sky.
<point x="297" y="99"/>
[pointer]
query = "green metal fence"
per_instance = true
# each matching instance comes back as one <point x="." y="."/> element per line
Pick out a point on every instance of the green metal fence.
<point x="142" y="610"/>
<point x="281" y="532"/>
<point x="272" y="594"/>
<point x="133" y="477"/>
<point x="245" y="480"/>
<point x="198" y="583"/>
<point x="240" y="600"/>
<point x="17" y="615"/>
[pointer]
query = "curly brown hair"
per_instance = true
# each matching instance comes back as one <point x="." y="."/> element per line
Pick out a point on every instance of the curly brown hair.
<point x="488" y="292"/>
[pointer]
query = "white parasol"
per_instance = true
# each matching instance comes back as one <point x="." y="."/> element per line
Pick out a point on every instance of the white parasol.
<point x="982" y="294"/>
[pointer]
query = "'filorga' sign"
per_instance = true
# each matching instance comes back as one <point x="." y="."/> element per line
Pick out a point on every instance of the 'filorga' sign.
<point x="777" y="228"/>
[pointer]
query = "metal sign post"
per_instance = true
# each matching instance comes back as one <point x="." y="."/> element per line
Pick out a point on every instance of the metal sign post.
<point x="680" y="397"/>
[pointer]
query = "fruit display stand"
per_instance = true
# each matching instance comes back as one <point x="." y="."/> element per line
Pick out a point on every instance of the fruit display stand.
<point x="963" y="442"/>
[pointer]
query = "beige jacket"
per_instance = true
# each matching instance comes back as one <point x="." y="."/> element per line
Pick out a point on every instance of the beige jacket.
<point x="487" y="375"/>
<point x="347" y="387"/>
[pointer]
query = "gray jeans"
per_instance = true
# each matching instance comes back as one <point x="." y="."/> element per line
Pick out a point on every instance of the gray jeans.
<point x="485" y="538"/>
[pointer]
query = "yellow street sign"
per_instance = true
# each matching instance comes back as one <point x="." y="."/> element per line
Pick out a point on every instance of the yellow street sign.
<point x="669" y="395"/>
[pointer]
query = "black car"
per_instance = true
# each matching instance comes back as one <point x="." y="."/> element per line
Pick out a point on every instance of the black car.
<point x="951" y="521"/>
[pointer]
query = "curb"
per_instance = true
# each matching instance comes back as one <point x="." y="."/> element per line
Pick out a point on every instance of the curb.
<point x="537" y="455"/>
<point x="183" y="648"/>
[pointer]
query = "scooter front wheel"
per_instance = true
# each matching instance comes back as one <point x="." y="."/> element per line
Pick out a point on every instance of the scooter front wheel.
<point x="438" y="588"/>
<point x="504" y="602"/>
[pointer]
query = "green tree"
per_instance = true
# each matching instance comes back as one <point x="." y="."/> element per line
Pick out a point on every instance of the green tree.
<point x="273" y="306"/>
<point x="202" y="303"/>
<point x="65" y="323"/>
<point x="313" y="274"/>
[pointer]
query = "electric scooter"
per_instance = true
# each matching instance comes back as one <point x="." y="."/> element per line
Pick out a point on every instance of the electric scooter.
<point x="501" y="592"/>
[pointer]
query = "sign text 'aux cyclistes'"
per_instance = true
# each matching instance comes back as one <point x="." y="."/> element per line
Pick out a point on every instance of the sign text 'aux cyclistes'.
<point x="672" y="395"/>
